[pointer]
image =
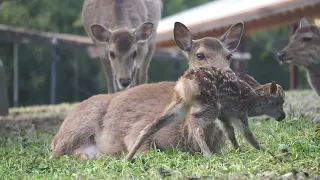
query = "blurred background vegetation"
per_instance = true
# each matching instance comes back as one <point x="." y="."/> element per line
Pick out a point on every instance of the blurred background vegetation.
<point x="64" y="16"/>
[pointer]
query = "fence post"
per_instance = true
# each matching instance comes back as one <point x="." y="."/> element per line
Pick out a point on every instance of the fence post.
<point x="3" y="92"/>
<point x="54" y="53"/>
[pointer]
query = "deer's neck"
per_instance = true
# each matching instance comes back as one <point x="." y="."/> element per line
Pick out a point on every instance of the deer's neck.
<point x="314" y="77"/>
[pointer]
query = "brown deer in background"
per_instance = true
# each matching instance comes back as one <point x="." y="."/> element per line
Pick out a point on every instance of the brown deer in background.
<point x="304" y="50"/>
<point x="125" y="31"/>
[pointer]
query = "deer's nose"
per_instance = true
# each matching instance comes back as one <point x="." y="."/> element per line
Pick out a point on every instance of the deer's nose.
<point x="125" y="82"/>
<point x="281" y="117"/>
<point x="281" y="55"/>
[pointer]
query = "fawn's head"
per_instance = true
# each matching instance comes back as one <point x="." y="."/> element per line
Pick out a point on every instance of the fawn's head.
<point x="208" y="51"/>
<point x="270" y="100"/>
<point x="123" y="47"/>
<point x="304" y="46"/>
<point x="270" y="97"/>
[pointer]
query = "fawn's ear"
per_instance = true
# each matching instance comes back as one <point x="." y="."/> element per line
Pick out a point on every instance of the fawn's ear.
<point x="182" y="36"/>
<point x="100" y="33"/>
<point x="303" y="22"/>
<point x="249" y="79"/>
<point x="231" y="39"/>
<point x="273" y="88"/>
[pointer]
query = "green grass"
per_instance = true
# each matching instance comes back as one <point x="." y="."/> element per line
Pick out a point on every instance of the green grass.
<point x="25" y="156"/>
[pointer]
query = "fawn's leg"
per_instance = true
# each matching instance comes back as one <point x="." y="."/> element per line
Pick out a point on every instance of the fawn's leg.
<point x="200" y="118"/>
<point x="199" y="135"/>
<point x="243" y="126"/>
<point x="176" y="111"/>
<point x="229" y="130"/>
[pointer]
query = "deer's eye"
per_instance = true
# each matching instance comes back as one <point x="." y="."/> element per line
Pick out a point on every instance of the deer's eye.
<point x="134" y="55"/>
<point x="200" y="56"/>
<point x="306" y="39"/>
<point x="229" y="56"/>
<point x="111" y="54"/>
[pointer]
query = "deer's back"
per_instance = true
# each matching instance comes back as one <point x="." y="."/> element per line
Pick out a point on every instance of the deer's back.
<point x="138" y="106"/>
<point x="233" y="103"/>
<point x="119" y="13"/>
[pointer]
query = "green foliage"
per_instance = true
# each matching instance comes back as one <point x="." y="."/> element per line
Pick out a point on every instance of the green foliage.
<point x="26" y="134"/>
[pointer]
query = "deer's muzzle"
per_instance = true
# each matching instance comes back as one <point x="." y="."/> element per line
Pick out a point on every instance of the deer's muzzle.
<point x="281" y="117"/>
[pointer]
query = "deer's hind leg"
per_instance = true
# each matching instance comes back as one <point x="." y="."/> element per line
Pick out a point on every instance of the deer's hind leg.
<point x="176" y="111"/>
<point x="131" y="138"/>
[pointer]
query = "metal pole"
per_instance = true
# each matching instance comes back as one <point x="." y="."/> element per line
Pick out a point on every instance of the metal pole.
<point x="15" y="75"/>
<point x="3" y="92"/>
<point x="53" y="72"/>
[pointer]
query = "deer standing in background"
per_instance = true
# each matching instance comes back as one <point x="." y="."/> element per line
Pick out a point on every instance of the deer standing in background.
<point x="125" y="31"/>
<point x="304" y="50"/>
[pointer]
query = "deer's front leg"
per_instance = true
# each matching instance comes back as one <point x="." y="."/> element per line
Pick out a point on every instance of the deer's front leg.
<point x="243" y="126"/>
<point x="199" y="135"/>
<point x="111" y="83"/>
<point x="143" y="70"/>
<point x="229" y="131"/>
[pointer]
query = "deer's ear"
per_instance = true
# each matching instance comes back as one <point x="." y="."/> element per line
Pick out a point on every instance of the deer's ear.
<point x="182" y="36"/>
<point x="304" y="22"/>
<point x="100" y="33"/>
<point x="232" y="37"/>
<point x="143" y="31"/>
<point x="249" y="79"/>
<point x="273" y="88"/>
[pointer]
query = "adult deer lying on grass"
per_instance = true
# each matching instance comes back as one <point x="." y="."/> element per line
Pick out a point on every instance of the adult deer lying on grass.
<point x="125" y="31"/>
<point x="304" y="50"/>
<point x="118" y="118"/>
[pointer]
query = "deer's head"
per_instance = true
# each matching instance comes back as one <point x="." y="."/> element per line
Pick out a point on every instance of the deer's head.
<point x="304" y="46"/>
<point x="270" y="100"/>
<point x="124" y="48"/>
<point x="208" y="51"/>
